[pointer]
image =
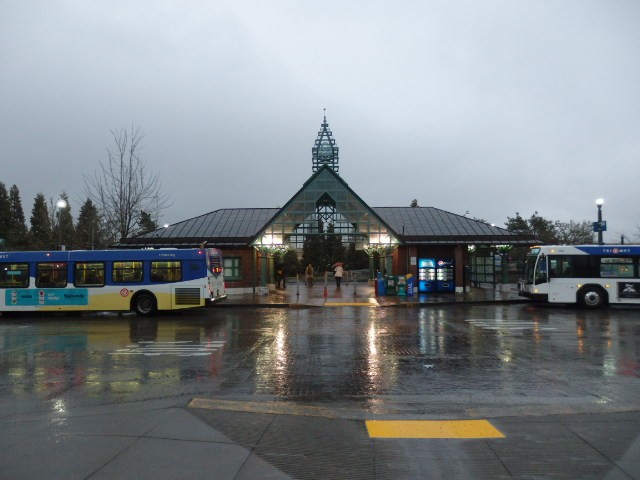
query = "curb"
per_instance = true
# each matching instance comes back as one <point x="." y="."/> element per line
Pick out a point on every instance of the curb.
<point x="391" y="305"/>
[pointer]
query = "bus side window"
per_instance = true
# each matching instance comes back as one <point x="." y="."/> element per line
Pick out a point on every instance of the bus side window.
<point x="166" y="271"/>
<point x="553" y="268"/>
<point x="51" y="275"/>
<point x="89" y="274"/>
<point x="14" y="275"/>
<point x="564" y="267"/>
<point x="126" y="271"/>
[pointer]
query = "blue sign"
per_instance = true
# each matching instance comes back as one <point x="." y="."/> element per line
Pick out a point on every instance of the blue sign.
<point x="600" y="226"/>
<point x="43" y="297"/>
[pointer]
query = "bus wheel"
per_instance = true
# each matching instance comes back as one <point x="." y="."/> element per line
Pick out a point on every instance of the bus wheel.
<point x="592" y="297"/>
<point x="144" y="304"/>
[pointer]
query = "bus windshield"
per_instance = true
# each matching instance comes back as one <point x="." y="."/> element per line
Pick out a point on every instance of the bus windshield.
<point x="535" y="269"/>
<point x="541" y="270"/>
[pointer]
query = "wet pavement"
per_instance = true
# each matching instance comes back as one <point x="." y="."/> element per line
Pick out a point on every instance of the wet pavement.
<point x="240" y="391"/>
<point x="296" y="294"/>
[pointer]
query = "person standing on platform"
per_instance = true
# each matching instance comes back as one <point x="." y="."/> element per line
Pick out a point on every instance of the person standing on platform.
<point x="282" y="275"/>
<point x="338" y="274"/>
<point x="308" y="273"/>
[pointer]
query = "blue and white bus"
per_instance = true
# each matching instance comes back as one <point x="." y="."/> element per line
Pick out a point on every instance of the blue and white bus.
<point x="110" y="280"/>
<point x="589" y="275"/>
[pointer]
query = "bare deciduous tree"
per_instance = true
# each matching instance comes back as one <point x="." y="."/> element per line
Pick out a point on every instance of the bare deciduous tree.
<point x="123" y="187"/>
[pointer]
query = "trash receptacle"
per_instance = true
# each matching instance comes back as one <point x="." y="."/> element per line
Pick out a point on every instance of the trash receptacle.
<point x="411" y="281"/>
<point x="392" y="282"/>
<point x="401" y="287"/>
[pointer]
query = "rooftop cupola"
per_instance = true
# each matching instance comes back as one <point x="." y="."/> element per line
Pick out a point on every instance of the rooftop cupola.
<point x="324" y="150"/>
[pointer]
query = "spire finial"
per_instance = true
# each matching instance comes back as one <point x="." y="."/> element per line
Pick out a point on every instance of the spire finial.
<point x="325" y="151"/>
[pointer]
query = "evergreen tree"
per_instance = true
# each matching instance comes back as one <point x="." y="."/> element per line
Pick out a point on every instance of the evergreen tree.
<point x="356" y="259"/>
<point x="89" y="230"/>
<point x="146" y="223"/>
<point x="543" y="229"/>
<point x="5" y="216"/>
<point x="18" y="233"/>
<point x="313" y="249"/>
<point x="414" y="203"/>
<point x="333" y="248"/>
<point x="517" y="224"/>
<point x="40" y="233"/>
<point x="291" y="262"/>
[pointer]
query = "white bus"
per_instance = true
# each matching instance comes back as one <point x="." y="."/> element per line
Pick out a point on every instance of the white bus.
<point x="589" y="275"/>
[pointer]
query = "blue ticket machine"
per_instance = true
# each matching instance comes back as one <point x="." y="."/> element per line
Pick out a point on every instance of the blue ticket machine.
<point x="427" y="275"/>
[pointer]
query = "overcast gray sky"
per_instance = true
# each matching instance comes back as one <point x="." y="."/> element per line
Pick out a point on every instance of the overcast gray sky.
<point x="491" y="107"/>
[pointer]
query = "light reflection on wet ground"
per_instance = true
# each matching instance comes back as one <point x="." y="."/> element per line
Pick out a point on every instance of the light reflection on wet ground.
<point x="385" y="360"/>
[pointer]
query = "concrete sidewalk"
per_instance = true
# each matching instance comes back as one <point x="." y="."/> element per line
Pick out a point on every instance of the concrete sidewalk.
<point x="298" y="295"/>
<point x="164" y="440"/>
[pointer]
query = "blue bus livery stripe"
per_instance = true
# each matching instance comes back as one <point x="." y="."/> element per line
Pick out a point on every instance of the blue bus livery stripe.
<point x="103" y="255"/>
<point x="24" y="297"/>
<point x="610" y="249"/>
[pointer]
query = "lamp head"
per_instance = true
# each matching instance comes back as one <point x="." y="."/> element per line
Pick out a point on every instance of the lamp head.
<point x="600" y="202"/>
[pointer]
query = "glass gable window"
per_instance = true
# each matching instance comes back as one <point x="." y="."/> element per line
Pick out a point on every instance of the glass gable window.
<point x="326" y="206"/>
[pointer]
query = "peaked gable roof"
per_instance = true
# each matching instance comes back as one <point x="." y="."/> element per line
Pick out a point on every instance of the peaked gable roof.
<point x="432" y="225"/>
<point x="242" y="227"/>
<point x="224" y="227"/>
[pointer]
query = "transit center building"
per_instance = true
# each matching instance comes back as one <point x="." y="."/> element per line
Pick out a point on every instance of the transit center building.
<point x="431" y="244"/>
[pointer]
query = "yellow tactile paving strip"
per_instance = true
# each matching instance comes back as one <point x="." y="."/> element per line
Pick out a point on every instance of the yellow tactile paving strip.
<point x="350" y="304"/>
<point x="432" y="429"/>
<point x="372" y="302"/>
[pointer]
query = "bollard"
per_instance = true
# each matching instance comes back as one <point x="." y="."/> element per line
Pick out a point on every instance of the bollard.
<point x="326" y="294"/>
<point x="355" y="281"/>
<point x="297" y="285"/>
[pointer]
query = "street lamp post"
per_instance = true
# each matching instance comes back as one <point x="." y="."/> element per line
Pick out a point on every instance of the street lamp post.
<point x="599" y="203"/>
<point x="61" y="204"/>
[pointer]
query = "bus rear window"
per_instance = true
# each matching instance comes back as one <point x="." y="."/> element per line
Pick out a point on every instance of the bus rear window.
<point x="51" y="275"/>
<point x="89" y="274"/>
<point x="127" y="272"/>
<point x="14" y="275"/>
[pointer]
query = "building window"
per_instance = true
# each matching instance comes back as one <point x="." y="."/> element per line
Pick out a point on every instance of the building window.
<point x="232" y="268"/>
